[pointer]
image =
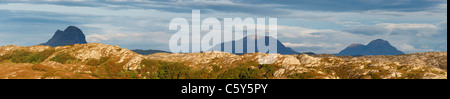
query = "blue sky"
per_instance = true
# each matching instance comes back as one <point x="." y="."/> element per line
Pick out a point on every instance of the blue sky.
<point x="320" y="26"/>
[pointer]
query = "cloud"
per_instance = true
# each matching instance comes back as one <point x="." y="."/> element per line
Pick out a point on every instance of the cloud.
<point x="355" y="5"/>
<point x="321" y="26"/>
<point x="104" y="37"/>
<point x="408" y="37"/>
<point x="301" y="32"/>
<point x="308" y="44"/>
<point x="37" y="20"/>
<point x="368" y="30"/>
<point x="258" y="7"/>
<point x="127" y="37"/>
<point x="420" y="30"/>
<point x="317" y="47"/>
<point x="410" y="48"/>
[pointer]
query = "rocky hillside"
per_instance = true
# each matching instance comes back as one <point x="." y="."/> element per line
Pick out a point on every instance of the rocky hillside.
<point x="430" y="65"/>
<point x="94" y="60"/>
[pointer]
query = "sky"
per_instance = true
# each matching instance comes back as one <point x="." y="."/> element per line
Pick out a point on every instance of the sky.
<point x="319" y="26"/>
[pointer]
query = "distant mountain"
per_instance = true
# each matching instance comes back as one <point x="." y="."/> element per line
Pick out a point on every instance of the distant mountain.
<point x="375" y="47"/>
<point x="281" y="49"/>
<point x="71" y="35"/>
<point x="309" y="53"/>
<point x="148" y="52"/>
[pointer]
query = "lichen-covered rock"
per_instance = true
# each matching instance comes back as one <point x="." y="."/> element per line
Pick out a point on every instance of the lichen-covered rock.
<point x="291" y="60"/>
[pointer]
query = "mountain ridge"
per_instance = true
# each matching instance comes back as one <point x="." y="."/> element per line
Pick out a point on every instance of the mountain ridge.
<point x="70" y="36"/>
<point x="281" y="49"/>
<point x="374" y="47"/>
<point x="148" y="52"/>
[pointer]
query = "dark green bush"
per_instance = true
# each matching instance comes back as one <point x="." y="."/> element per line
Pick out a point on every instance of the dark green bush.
<point x="304" y="75"/>
<point x="247" y="70"/>
<point x="64" y="58"/>
<point x="269" y="70"/>
<point x="169" y="70"/>
<point x="154" y="69"/>
<point x="110" y="70"/>
<point x="20" y="56"/>
<point x="96" y="62"/>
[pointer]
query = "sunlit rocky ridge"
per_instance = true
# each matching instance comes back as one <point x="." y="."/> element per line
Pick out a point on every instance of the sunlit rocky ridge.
<point x="101" y="61"/>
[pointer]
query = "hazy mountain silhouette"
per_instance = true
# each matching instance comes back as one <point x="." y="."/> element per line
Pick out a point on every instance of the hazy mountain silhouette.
<point x="281" y="49"/>
<point x="148" y="52"/>
<point x="71" y="35"/>
<point x="375" y="47"/>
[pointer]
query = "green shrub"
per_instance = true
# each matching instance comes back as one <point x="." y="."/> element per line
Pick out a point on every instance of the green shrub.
<point x="20" y="56"/>
<point x="96" y="62"/>
<point x="110" y="69"/>
<point x="64" y="58"/>
<point x="347" y="72"/>
<point x="169" y="70"/>
<point x="40" y="56"/>
<point x="304" y="75"/>
<point x="149" y="68"/>
<point x="155" y="69"/>
<point x="379" y="74"/>
<point x="5" y="57"/>
<point x="269" y="70"/>
<point x="414" y="74"/>
<point x="247" y="70"/>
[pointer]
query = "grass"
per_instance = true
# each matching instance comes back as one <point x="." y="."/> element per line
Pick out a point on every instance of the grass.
<point x="347" y="71"/>
<point x="155" y="69"/>
<point x="247" y="71"/>
<point x="21" y="56"/>
<point x="64" y="58"/>
<point x="97" y="62"/>
<point x="304" y="75"/>
<point x="39" y="67"/>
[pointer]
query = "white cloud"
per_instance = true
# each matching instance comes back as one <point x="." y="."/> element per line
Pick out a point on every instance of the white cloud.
<point x="410" y="48"/>
<point x="83" y="10"/>
<point x="306" y="44"/>
<point x="301" y="32"/>
<point x="420" y="30"/>
<point x="104" y="37"/>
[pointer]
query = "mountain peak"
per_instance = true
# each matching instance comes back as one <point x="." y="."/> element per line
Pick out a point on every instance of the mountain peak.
<point x="377" y="41"/>
<point x="375" y="47"/>
<point x="281" y="49"/>
<point x="355" y="45"/>
<point x="71" y="35"/>
<point x="72" y="28"/>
